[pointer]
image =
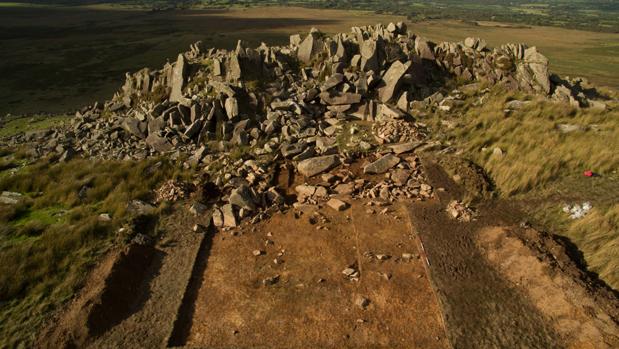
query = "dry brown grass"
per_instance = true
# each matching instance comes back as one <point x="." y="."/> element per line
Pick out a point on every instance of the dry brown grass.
<point x="535" y="152"/>
<point x="597" y="234"/>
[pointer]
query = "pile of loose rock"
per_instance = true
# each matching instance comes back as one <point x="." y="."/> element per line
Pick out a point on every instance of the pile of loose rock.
<point x="242" y="114"/>
<point x="172" y="191"/>
<point x="460" y="211"/>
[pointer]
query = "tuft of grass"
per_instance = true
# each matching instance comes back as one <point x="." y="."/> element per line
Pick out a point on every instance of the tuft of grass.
<point x="7" y="164"/>
<point x="597" y="235"/>
<point x="240" y="152"/>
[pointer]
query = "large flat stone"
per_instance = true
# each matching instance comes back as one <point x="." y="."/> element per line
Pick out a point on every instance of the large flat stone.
<point x="382" y="165"/>
<point x="317" y="165"/>
<point x="340" y="98"/>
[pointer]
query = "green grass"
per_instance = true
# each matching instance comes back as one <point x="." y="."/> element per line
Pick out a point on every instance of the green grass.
<point x="25" y="124"/>
<point x="50" y="240"/>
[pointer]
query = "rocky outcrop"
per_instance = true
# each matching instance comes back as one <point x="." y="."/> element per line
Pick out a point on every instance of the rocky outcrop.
<point x="239" y="115"/>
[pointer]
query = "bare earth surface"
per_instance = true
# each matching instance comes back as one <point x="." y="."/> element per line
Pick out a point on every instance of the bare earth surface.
<point x="419" y="280"/>
<point x="313" y="305"/>
<point x="132" y="298"/>
<point x="498" y="293"/>
<point x="573" y="312"/>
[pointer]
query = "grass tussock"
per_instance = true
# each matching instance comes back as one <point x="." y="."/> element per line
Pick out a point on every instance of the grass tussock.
<point x="50" y="240"/>
<point x="535" y="152"/>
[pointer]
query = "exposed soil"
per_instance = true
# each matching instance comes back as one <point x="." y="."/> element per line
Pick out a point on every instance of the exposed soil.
<point x="571" y="308"/>
<point x="113" y="292"/>
<point x="440" y="283"/>
<point x="132" y="297"/>
<point x="485" y="304"/>
<point x="313" y="303"/>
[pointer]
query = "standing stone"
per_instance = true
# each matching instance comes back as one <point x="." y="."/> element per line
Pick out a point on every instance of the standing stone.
<point x="232" y="107"/>
<point x="234" y="69"/>
<point x="309" y="48"/>
<point x="340" y="52"/>
<point x="178" y="79"/>
<point x="217" y="67"/>
<point x="538" y="64"/>
<point x="423" y="49"/>
<point x="369" y="55"/>
<point x="392" y="79"/>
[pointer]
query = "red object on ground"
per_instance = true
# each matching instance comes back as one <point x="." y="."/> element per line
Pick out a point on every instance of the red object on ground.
<point x="588" y="173"/>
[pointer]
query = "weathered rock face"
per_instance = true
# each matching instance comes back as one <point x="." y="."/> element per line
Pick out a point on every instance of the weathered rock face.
<point x="232" y="107"/>
<point x="158" y="143"/>
<point x="538" y="65"/>
<point x="234" y="68"/>
<point x="370" y="55"/>
<point x="309" y="48"/>
<point x="243" y="198"/>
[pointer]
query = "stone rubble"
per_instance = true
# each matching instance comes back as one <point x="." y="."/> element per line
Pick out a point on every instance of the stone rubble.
<point x="172" y="191"/>
<point x="242" y="115"/>
<point x="458" y="210"/>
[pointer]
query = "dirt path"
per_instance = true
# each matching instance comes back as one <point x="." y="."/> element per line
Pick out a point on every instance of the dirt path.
<point x="486" y="300"/>
<point x="313" y="304"/>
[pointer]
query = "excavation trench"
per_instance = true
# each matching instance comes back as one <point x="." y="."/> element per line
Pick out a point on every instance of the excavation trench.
<point x="312" y="303"/>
